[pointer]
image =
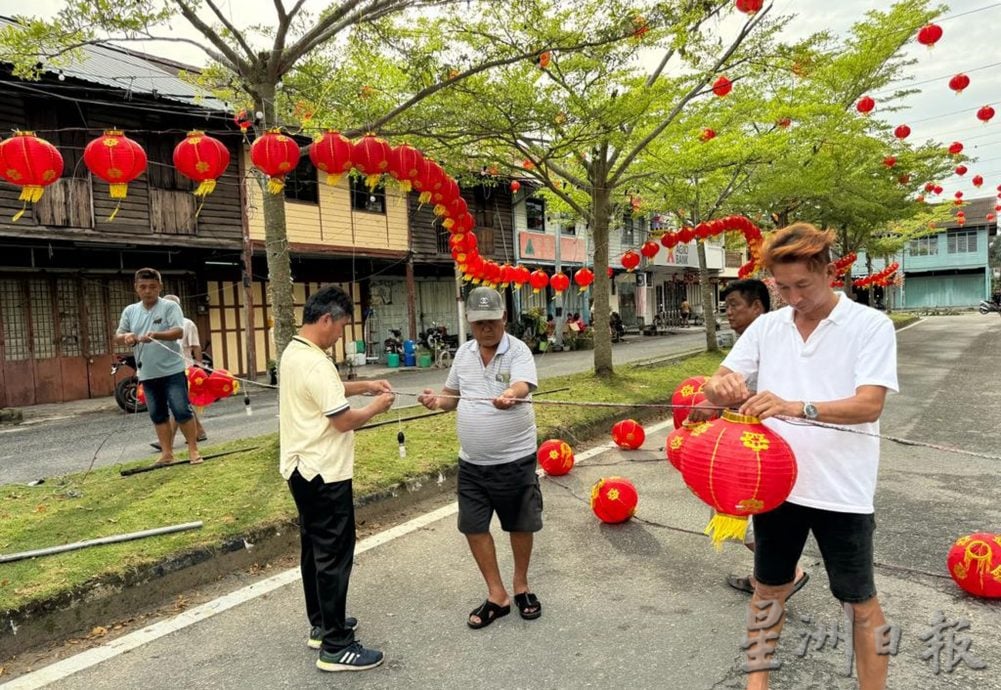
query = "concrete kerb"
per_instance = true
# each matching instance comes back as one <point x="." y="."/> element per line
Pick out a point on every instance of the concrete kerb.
<point x="113" y="598"/>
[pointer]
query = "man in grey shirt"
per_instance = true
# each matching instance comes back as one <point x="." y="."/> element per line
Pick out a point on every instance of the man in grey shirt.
<point x="497" y="438"/>
<point x="160" y="365"/>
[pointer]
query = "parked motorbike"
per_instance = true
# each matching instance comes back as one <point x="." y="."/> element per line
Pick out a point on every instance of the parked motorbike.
<point x="616" y="327"/>
<point x="986" y="307"/>
<point x="394" y="343"/>
<point x="125" y="390"/>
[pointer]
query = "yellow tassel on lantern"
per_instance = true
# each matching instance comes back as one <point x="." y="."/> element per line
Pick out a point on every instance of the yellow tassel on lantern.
<point x="372" y="181"/>
<point x="424" y="198"/>
<point x="722" y="527"/>
<point x="115" y="212"/>
<point x="117" y="190"/>
<point x="31" y="193"/>
<point x="17" y="216"/>
<point x="440" y="210"/>
<point x="276" y="185"/>
<point x="205" y="188"/>
<point x="334" y="178"/>
<point x="405" y="186"/>
<point x="448" y="223"/>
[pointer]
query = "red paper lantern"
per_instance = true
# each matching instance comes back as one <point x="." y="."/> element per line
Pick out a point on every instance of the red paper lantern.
<point x="405" y="165"/>
<point x="221" y="384"/>
<point x="974" y="562"/>
<point x="539" y="279"/>
<point x="958" y="195"/>
<point x="117" y="160"/>
<point x="687" y="395"/>
<point x="630" y="260"/>
<point x="521" y="275"/>
<point x="959" y="82"/>
<point x="961" y="170"/>
<point x="431" y="180"/>
<point x="331" y="153"/>
<point x="203" y="159"/>
<point x="30" y="163"/>
<point x="902" y="132"/>
<point x="276" y="155"/>
<point x="990" y="217"/>
<point x="370" y="156"/>
<point x="669" y="239"/>
<point x="140" y="394"/>
<point x="628" y="434"/>
<point x="784" y="122"/>
<point x="904" y="179"/>
<point x="560" y="282"/>
<point x="583" y="278"/>
<point x="865" y="105"/>
<point x="929" y="34"/>
<point x="750" y="6"/>
<point x="738" y="466"/>
<point x="977" y="180"/>
<point x="515" y="186"/>
<point x="938" y="189"/>
<point x="890" y="161"/>
<point x="614" y="499"/>
<point x="649" y="249"/>
<point x="985" y="114"/>
<point x="722" y="86"/>
<point x="555" y="457"/>
<point x="196" y="378"/>
<point x="956" y="148"/>
<point x="707" y="134"/>
<point x="675" y="443"/>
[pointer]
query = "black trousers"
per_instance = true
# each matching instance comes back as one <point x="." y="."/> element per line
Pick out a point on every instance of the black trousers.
<point x="327" y="535"/>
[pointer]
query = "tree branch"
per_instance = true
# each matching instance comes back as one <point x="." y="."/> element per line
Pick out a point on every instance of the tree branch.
<point x="241" y="65"/>
<point x="237" y="36"/>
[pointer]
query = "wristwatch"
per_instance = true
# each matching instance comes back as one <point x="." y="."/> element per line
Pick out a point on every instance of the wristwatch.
<point x="810" y="410"/>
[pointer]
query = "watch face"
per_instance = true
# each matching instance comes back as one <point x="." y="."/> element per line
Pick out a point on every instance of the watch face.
<point x="809" y="411"/>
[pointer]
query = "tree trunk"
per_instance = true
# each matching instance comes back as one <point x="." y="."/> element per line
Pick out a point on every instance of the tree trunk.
<point x="708" y="306"/>
<point x="600" y="205"/>
<point x="276" y="241"/>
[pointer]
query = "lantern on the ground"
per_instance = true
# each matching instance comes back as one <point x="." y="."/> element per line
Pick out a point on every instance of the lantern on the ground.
<point x="559" y="282"/>
<point x="985" y="114"/>
<point x="959" y="82"/>
<point x="538" y="279"/>
<point x="628" y="434"/>
<point x="614" y="499"/>
<point x="555" y="457"/>
<point x="583" y="277"/>
<point x="630" y="260"/>
<point x="276" y="155"/>
<point x="687" y="395"/>
<point x="975" y="564"/>
<point x="202" y="159"/>
<point x="117" y="160"/>
<point x="331" y="154"/>
<point x="865" y="105"/>
<point x="30" y="163"/>
<point x="740" y="467"/>
<point x="929" y="34"/>
<point x="370" y="155"/>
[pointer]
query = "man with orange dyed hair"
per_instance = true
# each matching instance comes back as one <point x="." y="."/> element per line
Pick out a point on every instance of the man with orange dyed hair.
<point x="826" y="359"/>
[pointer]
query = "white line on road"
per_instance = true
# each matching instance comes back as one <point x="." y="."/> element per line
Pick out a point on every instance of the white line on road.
<point x="92" y="657"/>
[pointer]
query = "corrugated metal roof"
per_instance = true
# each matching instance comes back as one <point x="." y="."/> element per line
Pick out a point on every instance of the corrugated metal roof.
<point x="132" y="72"/>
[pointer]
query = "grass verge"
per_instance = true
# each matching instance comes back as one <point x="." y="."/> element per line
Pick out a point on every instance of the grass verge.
<point x="241" y="491"/>
<point x="901" y="319"/>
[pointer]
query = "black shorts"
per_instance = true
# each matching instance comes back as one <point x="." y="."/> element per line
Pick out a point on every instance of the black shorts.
<point x="511" y="489"/>
<point x="845" y="541"/>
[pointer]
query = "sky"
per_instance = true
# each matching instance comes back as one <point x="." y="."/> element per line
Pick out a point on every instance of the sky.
<point x="968" y="45"/>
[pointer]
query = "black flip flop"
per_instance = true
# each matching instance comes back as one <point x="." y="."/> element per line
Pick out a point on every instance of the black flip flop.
<point x="743" y="584"/>
<point x="528" y="605"/>
<point x="487" y="612"/>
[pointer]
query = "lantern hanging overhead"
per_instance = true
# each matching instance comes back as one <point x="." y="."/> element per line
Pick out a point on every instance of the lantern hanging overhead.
<point x="961" y="170"/>
<point x="515" y="186"/>
<point x="32" y="164"/>
<point x="630" y="260"/>
<point x="977" y="181"/>
<point x="959" y="82"/>
<point x="614" y="499"/>
<point x="739" y="467"/>
<point x="707" y="134"/>
<point x="538" y="279"/>
<point x="750" y="6"/>
<point x="117" y="160"/>
<point x="865" y="105"/>
<point x="929" y="34"/>
<point x="559" y="282"/>
<point x="985" y="114"/>
<point x="687" y="395"/>
<point x="956" y="148"/>
<point x="370" y="156"/>
<point x="974" y="562"/>
<point x="722" y="86"/>
<point x="276" y="155"/>
<point x="890" y="161"/>
<point x="555" y="457"/>
<point x="203" y="159"/>
<point x="902" y="132"/>
<point x="331" y="154"/>
<point x="649" y="249"/>
<point x="583" y="278"/>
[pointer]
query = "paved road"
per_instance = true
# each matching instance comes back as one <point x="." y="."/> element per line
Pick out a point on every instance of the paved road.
<point x="58" y="440"/>
<point x="642" y="605"/>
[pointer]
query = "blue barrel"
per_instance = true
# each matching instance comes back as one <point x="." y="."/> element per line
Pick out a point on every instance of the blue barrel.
<point x="409" y="348"/>
<point x="409" y="359"/>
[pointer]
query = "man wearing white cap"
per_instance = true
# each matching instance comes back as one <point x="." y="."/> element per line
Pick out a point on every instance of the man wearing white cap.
<point x="497" y="439"/>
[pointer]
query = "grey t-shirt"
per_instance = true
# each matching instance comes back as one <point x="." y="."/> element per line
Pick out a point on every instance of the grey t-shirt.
<point x="154" y="361"/>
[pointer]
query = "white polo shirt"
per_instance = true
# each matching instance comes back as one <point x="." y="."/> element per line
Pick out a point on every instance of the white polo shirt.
<point x="310" y="393"/>
<point x="488" y="436"/>
<point x="854" y="346"/>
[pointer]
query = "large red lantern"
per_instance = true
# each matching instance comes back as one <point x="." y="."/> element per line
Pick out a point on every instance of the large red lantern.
<point x="649" y="249"/>
<point x="276" y="155"/>
<point x="429" y="181"/>
<point x="559" y="282"/>
<point x="203" y="159"/>
<point x="959" y="82"/>
<point x="30" y="163"/>
<point x="405" y="164"/>
<point x="675" y="443"/>
<point x="583" y="278"/>
<point x="750" y="6"/>
<point x="722" y="86"/>
<point x="975" y="564"/>
<point x="331" y="153"/>
<point x="555" y="457"/>
<point x="929" y="34"/>
<point x="865" y="105"/>
<point x="539" y="279"/>
<point x="117" y="160"/>
<point x="630" y="260"/>
<point x="687" y="395"/>
<point x="628" y="434"/>
<point x="370" y="156"/>
<point x="961" y="170"/>
<point x="956" y="148"/>
<point x="221" y="384"/>
<point x="902" y="132"/>
<point x="614" y="499"/>
<point x="740" y="467"/>
<point x="985" y="114"/>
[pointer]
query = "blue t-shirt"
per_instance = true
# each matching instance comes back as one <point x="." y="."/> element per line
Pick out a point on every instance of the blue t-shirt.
<point x="154" y="361"/>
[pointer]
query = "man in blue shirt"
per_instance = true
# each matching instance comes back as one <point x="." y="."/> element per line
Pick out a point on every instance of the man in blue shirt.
<point x="160" y="365"/>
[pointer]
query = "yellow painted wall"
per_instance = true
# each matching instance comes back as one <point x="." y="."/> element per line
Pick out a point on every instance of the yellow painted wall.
<point x="333" y="222"/>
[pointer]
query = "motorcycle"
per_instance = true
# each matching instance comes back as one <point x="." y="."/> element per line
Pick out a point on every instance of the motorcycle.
<point x="986" y="307"/>
<point x="394" y="343"/>
<point x="126" y="389"/>
<point x="616" y="327"/>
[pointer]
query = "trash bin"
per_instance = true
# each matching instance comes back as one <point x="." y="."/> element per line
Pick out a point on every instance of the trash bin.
<point x="409" y="360"/>
<point x="424" y="361"/>
<point x="392" y="360"/>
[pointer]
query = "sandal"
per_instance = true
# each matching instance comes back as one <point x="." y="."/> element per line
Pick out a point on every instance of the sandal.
<point x="487" y="612"/>
<point x="743" y="584"/>
<point x="528" y="605"/>
<point x="197" y="460"/>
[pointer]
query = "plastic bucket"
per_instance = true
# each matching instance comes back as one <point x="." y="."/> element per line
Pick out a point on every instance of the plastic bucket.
<point x="409" y="359"/>
<point x="424" y="361"/>
<point x="409" y="348"/>
<point x="360" y="346"/>
<point x="393" y="360"/>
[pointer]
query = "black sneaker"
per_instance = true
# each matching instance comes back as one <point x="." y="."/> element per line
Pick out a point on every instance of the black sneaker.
<point x="316" y="634"/>
<point x="354" y="657"/>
